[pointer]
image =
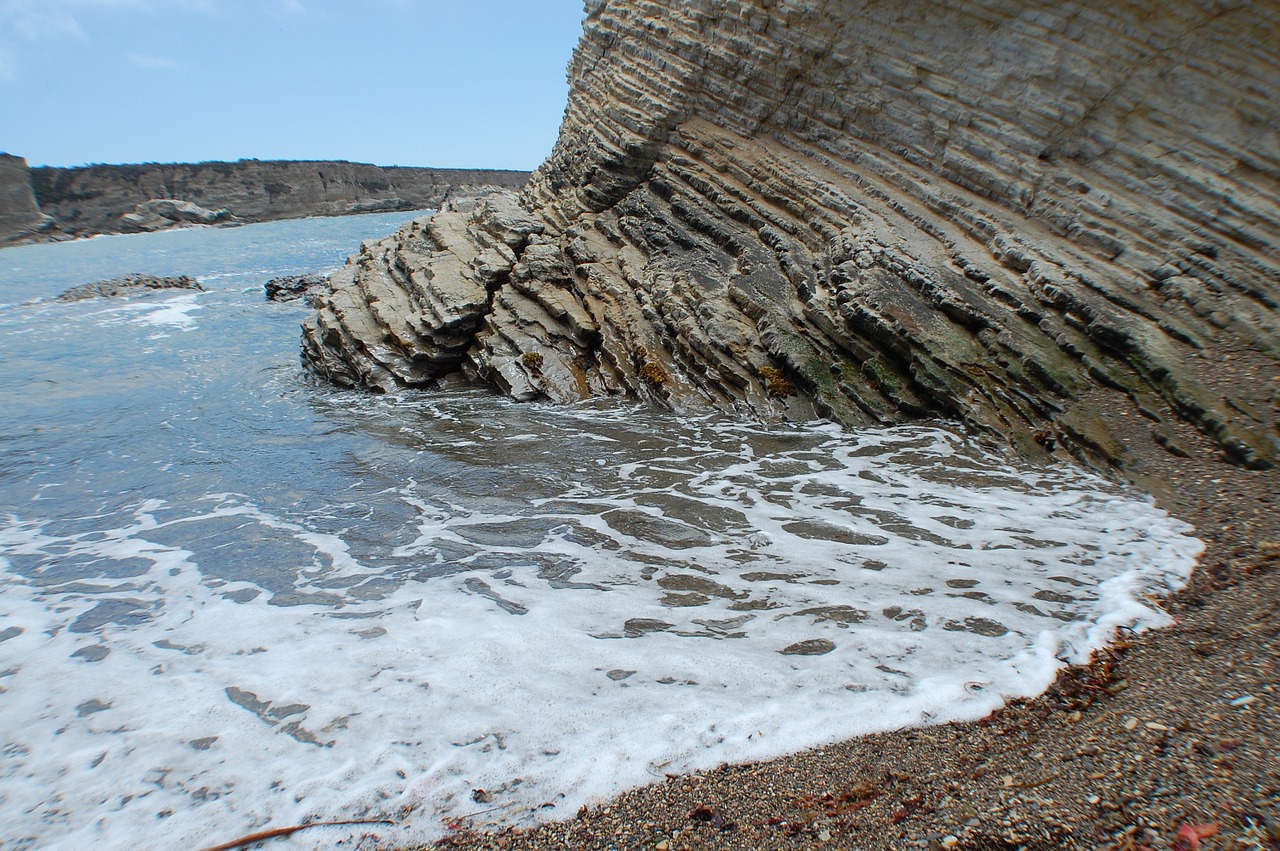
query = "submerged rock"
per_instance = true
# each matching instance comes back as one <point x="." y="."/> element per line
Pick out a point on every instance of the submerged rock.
<point x="980" y="212"/>
<point x="129" y="284"/>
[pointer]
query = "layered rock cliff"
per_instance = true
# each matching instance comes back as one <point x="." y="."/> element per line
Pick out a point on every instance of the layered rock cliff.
<point x="20" y="216"/>
<point x="122" y="198"/>
<point x="986" y="211"/>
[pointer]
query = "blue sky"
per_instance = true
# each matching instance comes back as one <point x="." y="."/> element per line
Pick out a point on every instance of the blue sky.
<point x="444" y="83"/>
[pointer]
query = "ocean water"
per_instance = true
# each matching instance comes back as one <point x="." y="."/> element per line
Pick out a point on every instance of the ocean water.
<point x="233" y="600"/>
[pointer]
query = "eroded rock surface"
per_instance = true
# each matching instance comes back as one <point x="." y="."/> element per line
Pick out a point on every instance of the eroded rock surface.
<point x="870" y="211"/>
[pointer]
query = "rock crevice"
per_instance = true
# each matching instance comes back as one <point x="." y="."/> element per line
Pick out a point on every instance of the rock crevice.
<point x="869" y="211"/>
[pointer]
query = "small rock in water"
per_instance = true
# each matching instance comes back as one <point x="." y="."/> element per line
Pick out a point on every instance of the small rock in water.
<point x="291" y="287"/>
<point x="809" y="647"/>
<point x="91" y="706"/>
<point x="126" y="284"/>
<point x="636" y="627"/>
<point x="96" y="653"/>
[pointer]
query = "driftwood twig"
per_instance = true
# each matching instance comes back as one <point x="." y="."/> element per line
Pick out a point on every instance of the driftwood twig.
<point x="289" y="831"/>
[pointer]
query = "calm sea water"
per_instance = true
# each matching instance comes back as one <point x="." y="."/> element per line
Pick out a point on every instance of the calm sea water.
<point x="232" y="600"/>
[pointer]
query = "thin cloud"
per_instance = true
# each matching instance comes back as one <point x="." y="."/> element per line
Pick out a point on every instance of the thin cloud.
<point x="36" y="20"/>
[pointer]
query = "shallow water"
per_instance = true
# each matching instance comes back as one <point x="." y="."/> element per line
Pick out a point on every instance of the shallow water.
<point x="232" y="600"/>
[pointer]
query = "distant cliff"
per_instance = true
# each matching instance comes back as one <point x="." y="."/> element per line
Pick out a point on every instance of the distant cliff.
<point x="20" y="216"/>
<point x="122" y="198"/>
<point x="988" y="211"/>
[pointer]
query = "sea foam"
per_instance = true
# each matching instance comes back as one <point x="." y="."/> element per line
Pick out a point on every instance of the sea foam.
<point x="555" y="606"/>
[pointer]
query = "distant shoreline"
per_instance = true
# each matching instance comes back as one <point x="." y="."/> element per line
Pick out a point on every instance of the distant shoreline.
<point x="53" y="204"/>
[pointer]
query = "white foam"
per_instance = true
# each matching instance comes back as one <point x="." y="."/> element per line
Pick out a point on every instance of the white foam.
<point x="174" y="313"/>
<point x="511" y="642"/>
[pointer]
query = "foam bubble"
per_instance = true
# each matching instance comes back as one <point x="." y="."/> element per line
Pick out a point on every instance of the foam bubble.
<point x="527" y="625"/>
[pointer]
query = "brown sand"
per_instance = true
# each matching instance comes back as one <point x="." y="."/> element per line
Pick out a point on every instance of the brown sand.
<point x="1173" y="735"/>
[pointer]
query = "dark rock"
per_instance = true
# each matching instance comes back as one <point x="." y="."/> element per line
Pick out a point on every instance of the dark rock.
<point x="291" y="287"/>
<point x="95" y="653"/>
<point x="129" y="285"/>
<point x="809" y="647"/>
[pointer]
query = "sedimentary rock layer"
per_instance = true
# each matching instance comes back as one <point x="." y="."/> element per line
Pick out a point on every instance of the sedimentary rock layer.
<point x="871" y="211"/>
<point x="121" y="198"/>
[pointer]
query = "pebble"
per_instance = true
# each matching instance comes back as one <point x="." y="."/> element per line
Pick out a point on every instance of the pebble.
<point x="1242" y="701"/>
<point x="1131" y="724"/>
<point x="950" y="841"/>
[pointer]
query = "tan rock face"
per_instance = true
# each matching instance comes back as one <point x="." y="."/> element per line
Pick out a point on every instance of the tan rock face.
<point x="870" y="211"/>
<point x="19" y="215"/>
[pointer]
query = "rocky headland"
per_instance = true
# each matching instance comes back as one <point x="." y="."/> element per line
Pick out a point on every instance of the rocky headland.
<point x="986" y="212"/>
<point x="48" y="203"/>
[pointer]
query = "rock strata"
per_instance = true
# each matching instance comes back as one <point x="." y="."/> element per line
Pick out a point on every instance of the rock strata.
<point x="129" y="284"/>
<point x="982" y="211"/>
